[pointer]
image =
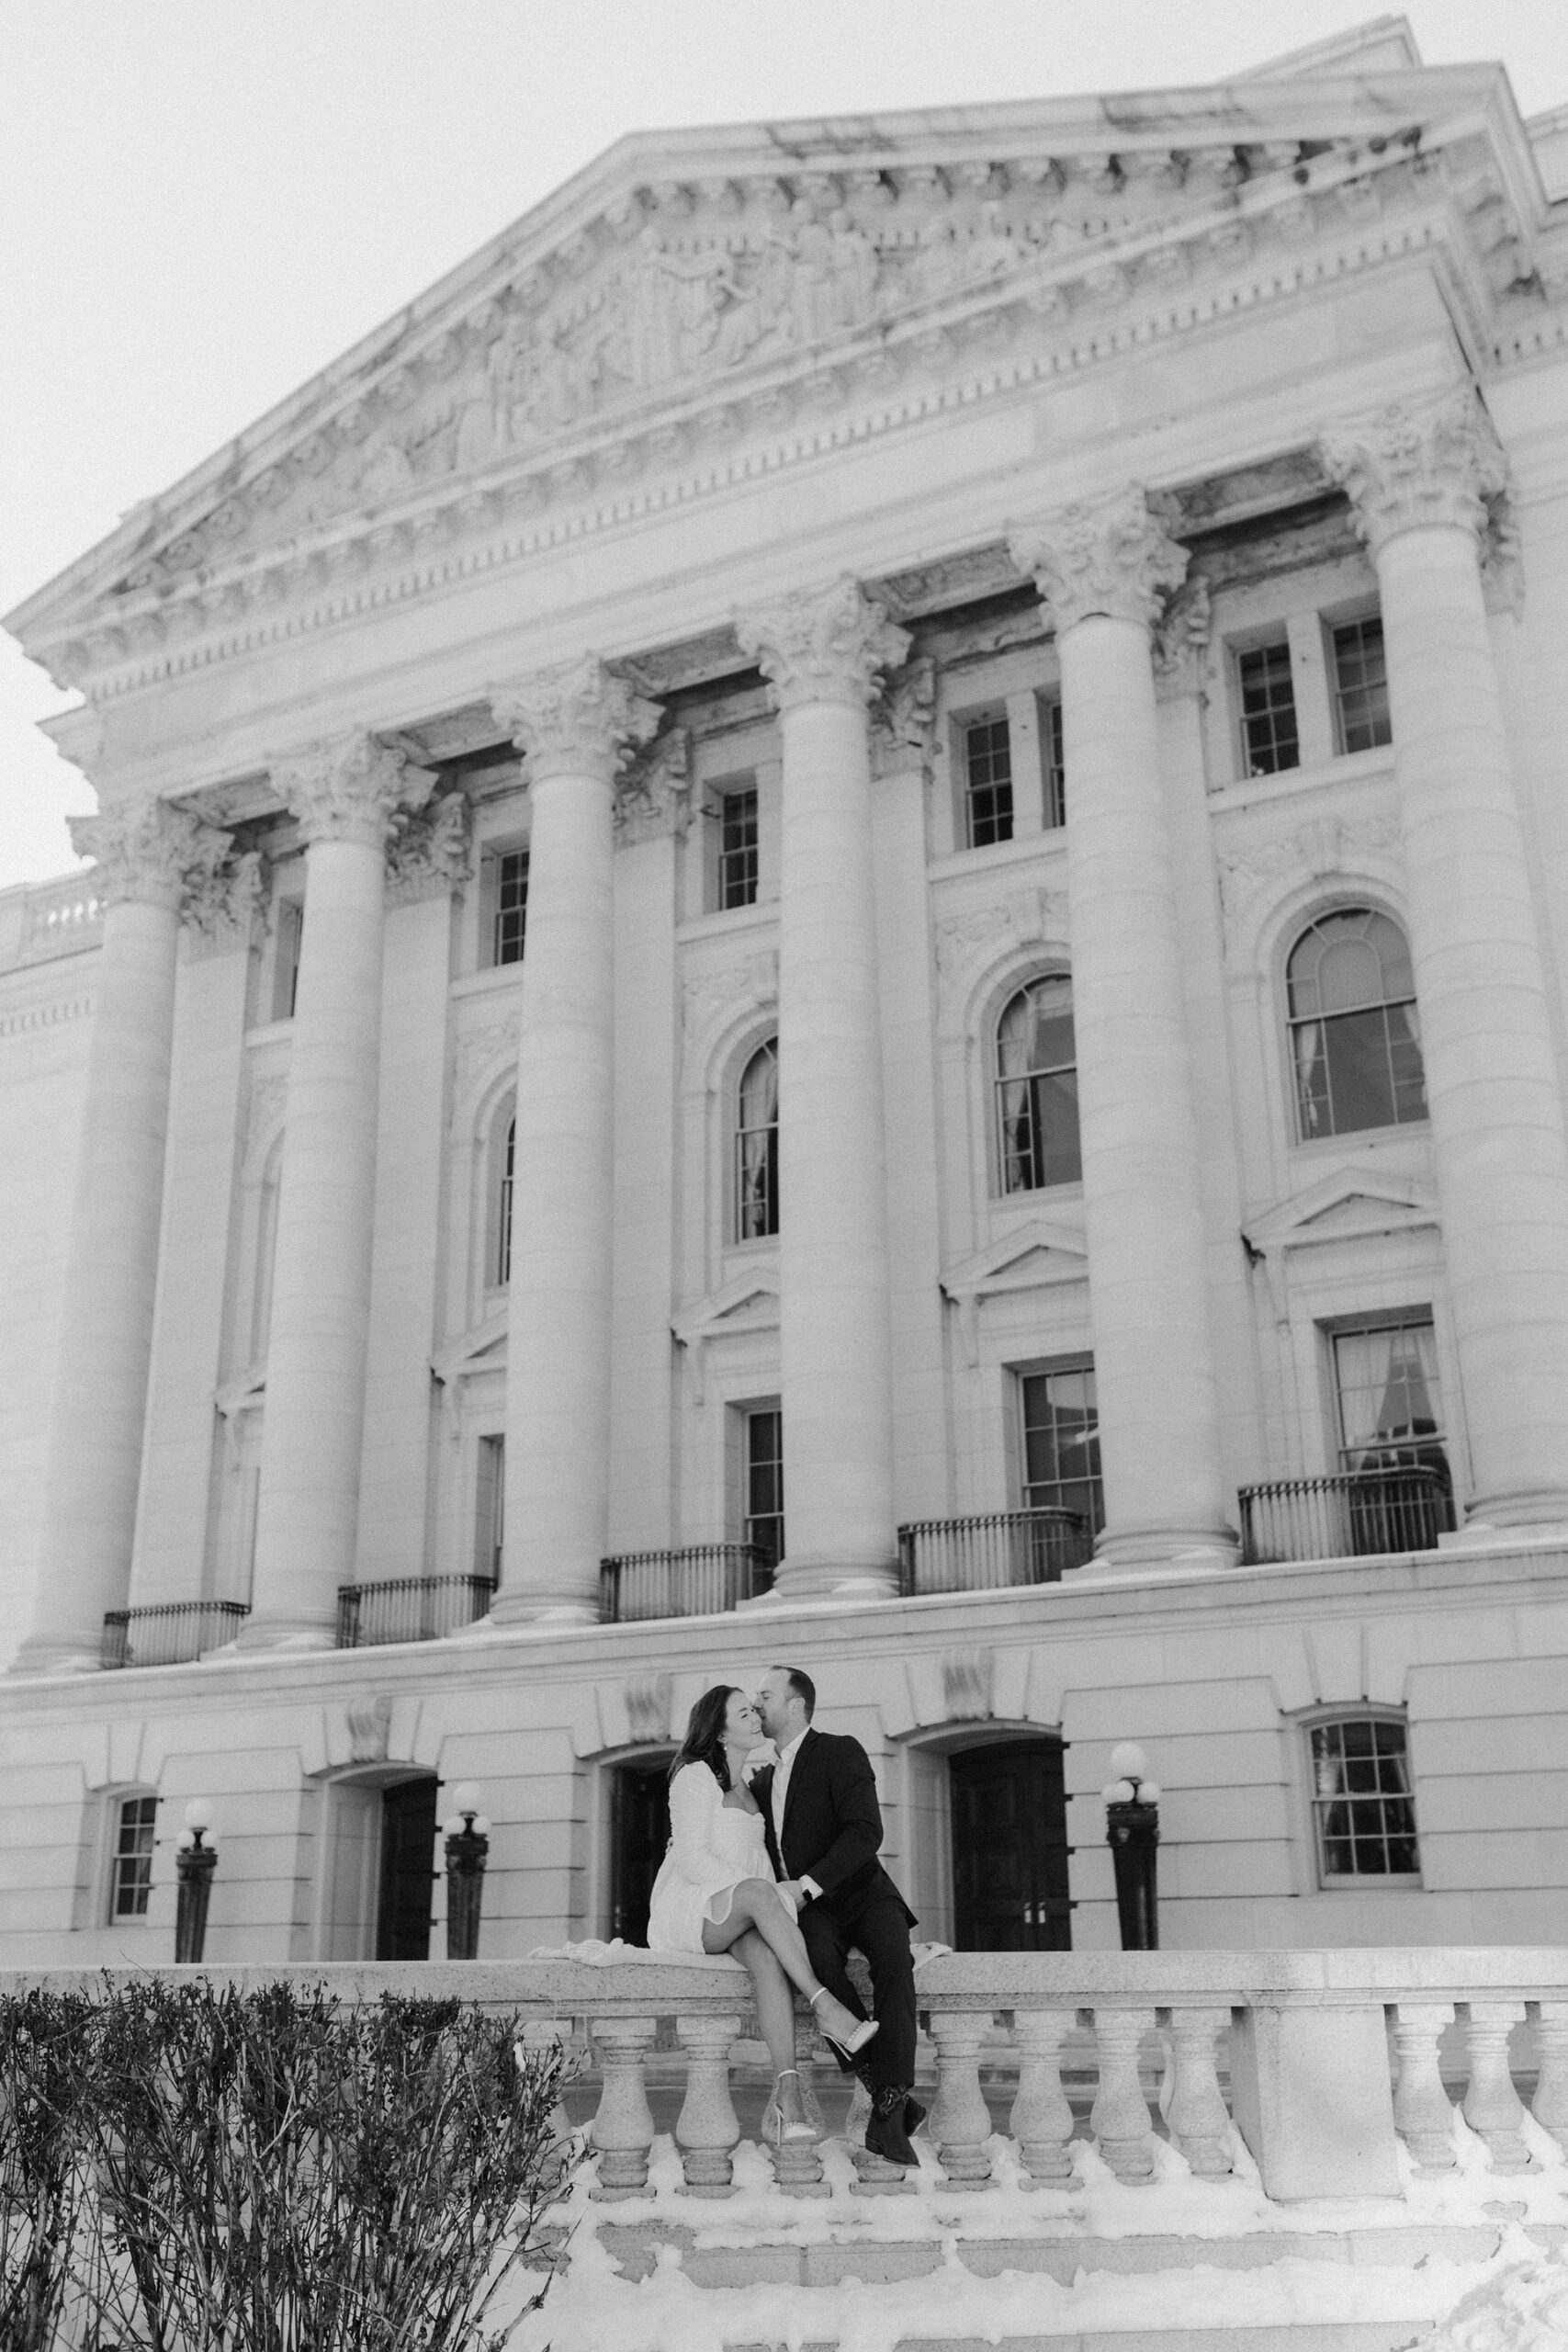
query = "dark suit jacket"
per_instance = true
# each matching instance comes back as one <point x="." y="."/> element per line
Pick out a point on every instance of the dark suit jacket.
<point x="832" y="1823"/>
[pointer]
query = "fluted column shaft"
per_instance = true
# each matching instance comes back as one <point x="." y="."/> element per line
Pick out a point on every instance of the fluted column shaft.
<point x="1420" y="480"/>
<point x="345" y="795"/>
<point x="146" y="854"/>
<point x="1102" y="571"/>
<point x="574" y="724"/>
<point x="821" y="653"/>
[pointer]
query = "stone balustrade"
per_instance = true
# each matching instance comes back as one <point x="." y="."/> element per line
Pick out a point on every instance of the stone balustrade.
<point x="40" y="921"/>
<point x="1329" y="2058"/>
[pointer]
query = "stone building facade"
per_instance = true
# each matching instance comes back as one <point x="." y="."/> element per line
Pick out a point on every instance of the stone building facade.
<point x="829" y="922"/>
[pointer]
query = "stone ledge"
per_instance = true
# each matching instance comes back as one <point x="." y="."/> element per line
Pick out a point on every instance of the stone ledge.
<point x="1343" y="2335"/>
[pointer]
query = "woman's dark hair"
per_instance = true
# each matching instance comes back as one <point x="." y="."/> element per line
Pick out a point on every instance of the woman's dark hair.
<point x="703" y="1743"/>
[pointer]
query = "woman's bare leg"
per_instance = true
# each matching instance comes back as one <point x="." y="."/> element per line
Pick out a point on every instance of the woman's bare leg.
<point x="775" y="2002"/>
<point x="754" y="1903"/>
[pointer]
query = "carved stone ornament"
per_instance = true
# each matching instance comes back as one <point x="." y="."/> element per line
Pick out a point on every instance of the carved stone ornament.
<point x="648" y="1706"/>
<point x="578" y="718"/>
<point x="428" y="855"/>
<point x="655" y="795"/>
<point x="152" y="853"/>
<point x="349" y="788"/>
<point x="1436" y="461"/>
<point x="1114" y="557"/>
<point x="967" y="1677"/>
<point x="1181" y="641"/>
<point x="1325" y="848"/>
<point x="902" y="720"/>
<point x="822" y="645"/>
<point x="369" y="1728"/>
<point x="220" y="911"/>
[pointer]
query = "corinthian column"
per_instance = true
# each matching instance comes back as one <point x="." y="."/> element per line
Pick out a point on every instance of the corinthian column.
<point x="822" y="653"/>
<point x="574" y="724"/>
<point x="345" y="794"/>
<point x="1103" y="570"/>
<point x="147" y="855"/>
<point x="1420" y="478"/>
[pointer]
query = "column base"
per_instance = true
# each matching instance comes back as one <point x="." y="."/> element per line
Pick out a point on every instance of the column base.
<point x="55" y="1658"/>
<point x="276" y="1633"/>
<point x="541" y="1609"/>
<point x="834" y="1575"/>
<point x="1164" y="1547"/>
<point x="1493" y="1524"/>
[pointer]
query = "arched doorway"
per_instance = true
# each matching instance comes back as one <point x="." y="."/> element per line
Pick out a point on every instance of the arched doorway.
<point x="1010" y="1848"/>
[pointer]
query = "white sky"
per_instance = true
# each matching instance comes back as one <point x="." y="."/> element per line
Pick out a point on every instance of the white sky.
<point x="204" y="201"/>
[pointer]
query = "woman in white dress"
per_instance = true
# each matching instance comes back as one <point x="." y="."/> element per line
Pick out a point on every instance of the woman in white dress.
<point x="716" y="1892"/>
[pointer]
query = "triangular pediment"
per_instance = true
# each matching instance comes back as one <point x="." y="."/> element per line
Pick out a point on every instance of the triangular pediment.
<point x="1032" y="1256"/>
<point x="474" y="1352"/>
<point x="694" y="290"/>
<point x="1352" y="1204"/>
<point x="748" y="1303"/>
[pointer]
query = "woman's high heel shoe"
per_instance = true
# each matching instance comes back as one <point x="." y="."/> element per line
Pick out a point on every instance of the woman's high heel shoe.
<point x="856" y="2041"/>
<point x="780" y="2130"/>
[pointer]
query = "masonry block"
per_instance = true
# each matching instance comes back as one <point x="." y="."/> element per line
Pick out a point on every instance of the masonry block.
<point x="1312" y="2098"/>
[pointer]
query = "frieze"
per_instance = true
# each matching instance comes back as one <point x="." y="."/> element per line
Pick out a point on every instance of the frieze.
<point x="1327" y="845"/>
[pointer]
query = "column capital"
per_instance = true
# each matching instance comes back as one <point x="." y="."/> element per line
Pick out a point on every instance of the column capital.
<point x="150" y="851"/>
<point x="1418" y="463"/>
<point x="1181" y="641"/>
<point x="576" y="718"/>
<point x="1109" y="555"/>
<point x="822" y="644"/>
<point x="903" y="720"/>
<point x="349" y="787"/>
<point x="430" y="852"/>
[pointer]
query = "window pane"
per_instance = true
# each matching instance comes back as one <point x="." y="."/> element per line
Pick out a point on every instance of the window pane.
<point x="1358" y="1065"/>
<point x="504" y="1206"/>
<point x="988" y="751"/>
<point x="132" y="1876"/>
<point x="1037" y="1092"/>
<point x="1390" y="1402"/>
<point x="510" y="906"/>
<point x="757" y="1147"/>
<point x="765" y="1484"/>
<point x="737" y="849"/>
<point x="1061" y="1442"/>
<point x="1362" y="1803"/>
<point x="1055" y="769"/>
<point x="1267" y="710"/>
<point x="1360" y="686"/>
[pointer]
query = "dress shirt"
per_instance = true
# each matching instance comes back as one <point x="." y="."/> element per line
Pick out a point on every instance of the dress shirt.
<point x="779" y="1791"/>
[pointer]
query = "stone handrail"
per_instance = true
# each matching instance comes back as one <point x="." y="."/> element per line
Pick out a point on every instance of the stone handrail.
<point x="1312" y="2091"/>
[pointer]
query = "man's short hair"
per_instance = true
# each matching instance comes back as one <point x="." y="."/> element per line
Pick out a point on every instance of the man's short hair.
<point x="802" y="1684"/>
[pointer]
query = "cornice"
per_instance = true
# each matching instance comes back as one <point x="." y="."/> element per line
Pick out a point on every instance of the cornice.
<point x="1269" y="239"/>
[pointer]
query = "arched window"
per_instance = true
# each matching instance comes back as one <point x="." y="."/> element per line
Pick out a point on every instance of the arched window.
<point x="1037" y="1088"/>
<point x="1355" y="1037"/>
<point x="501" y="1257"/>
<point x="757" y="1146"/>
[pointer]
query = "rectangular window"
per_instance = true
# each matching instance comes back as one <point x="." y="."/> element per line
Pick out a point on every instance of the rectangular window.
<point x="1269" y="740"/>
<point x="489" y="1518"/>
<point x="765" y="1484"/>
<point x="1398" y="1495"/>
<point x="1360" y="686"/>
<point x="1363" y="1807"/>
<point x="286" y="967"/>
<point x="131" y="1882"/>
<point x="1061" y="1442"/>
<point x="987" y="782"/>
<point x="737" y="849"/>
<point x="1055" y="767"/>
<point x="511" y="919"/>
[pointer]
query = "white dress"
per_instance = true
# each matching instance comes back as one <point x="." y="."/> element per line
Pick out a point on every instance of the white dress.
<point x="712" y="1847"/>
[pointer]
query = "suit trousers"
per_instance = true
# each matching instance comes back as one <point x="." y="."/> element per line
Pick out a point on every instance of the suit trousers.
<point x="881" y="1931"/>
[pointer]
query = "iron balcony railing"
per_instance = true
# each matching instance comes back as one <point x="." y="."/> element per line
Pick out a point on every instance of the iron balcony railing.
<point x="1404" y="1509"/>
<point x="704" y="1580"/>
<point x="998" y="1549"/>
<point x="169" y="1632"/>
<point x="409" y="1609"/>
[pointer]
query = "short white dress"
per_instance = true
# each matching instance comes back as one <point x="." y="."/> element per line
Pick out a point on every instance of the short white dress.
<point x="712" y="1847"/>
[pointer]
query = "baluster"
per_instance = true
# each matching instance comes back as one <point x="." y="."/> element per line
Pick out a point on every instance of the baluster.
<point x="1041" y="2120"/>
<point x="1550" y="2106"/>
<point x="961" y="2122"/>
<point x="707" y="2126"/>
<point x="1423" y="2112"/>
<point x="797" y="2166"/>
<point x="1120" y="2116"/>
<point x="543" y="2039"/>
<point x="1198" y="2119"/>
<point x="623" y="2129"/>
<point x="1492" y="2104"/>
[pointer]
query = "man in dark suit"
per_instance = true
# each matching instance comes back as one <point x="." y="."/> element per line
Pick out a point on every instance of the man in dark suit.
<point x="824" y="1829"/>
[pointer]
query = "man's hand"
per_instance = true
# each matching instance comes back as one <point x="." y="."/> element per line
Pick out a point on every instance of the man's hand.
<point x="799" y="1894"/>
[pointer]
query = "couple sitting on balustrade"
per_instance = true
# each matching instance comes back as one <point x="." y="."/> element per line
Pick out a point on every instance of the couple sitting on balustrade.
<point x="782" y="1870"/>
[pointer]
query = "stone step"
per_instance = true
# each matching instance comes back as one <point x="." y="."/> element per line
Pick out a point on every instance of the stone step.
<point x="635" y="2248"/>
<point x="1307" y="2335"/>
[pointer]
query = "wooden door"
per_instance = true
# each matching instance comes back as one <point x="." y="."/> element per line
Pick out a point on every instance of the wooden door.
<point x="640" y="1833"/>
<point x="1010" y="1848"/>
<point x="408" y="1856"/>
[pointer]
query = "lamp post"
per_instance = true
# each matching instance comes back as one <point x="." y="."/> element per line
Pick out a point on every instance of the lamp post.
<point x="468" y="1845"/>
<point x="193" y="1865"/>
<point x="1131" y="1831"/>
